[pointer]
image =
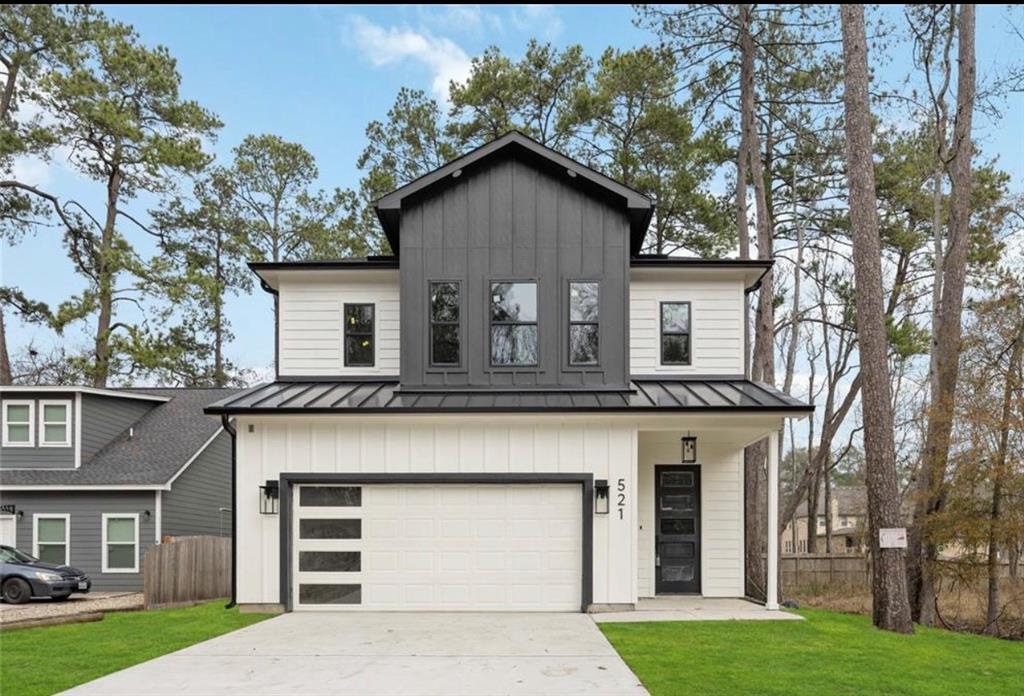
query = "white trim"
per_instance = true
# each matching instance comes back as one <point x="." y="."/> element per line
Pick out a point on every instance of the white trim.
<point x="771" y="594"/>
<point x="107" y="516"/>
<point x="67" y="532"/>
<point x="195" y="456"/>
<point x="66" y="403"/>
<point x="31" y="423"/>
<point x="14" y="519"/>
<point x="159" y="516"/>
<point x="116" y="393"/>
<point x="78" y="430"/>
<point x="97" y="487"/>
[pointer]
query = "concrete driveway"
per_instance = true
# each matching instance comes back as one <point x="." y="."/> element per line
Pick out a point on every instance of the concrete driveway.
<point x="412" y="654"/>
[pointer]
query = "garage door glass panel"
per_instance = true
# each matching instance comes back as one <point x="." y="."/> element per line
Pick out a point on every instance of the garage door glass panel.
<point x="329" y="561"/>
<point x="321" y="593"/>
<point x="330" y="529"/>
<point x="331" y="496"/>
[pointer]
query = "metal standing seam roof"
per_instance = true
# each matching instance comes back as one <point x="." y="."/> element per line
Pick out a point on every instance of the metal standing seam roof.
<point x="645" y="395"/>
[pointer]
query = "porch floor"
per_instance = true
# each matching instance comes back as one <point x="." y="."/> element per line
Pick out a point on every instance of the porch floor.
<point x="695" y="609"/>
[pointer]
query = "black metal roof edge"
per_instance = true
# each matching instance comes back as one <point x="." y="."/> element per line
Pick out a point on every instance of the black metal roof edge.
<point x="355" y="263"/>
<point x="788" y="408"/>
<point x="653" y="261"/>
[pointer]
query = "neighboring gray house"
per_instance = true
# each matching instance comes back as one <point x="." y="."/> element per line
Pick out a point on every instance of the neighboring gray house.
<point x="95" y="477"/>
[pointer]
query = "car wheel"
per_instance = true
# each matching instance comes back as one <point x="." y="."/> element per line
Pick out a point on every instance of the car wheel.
<point x="16" y="591"/>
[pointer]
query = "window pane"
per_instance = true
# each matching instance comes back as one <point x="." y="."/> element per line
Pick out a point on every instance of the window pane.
<point x="444" y="301"/>
<point x="445" y="348"/>
<point x="359" y="318"/>
<point x="675" y="317"/>
<point x="329" y="594"/>
<point x="55" y="433"/>
<point x="17" y="433"/>
<point x="17" y="414"/>
<point x="514" y="302"/>
<point x="675" y="349"/>
<point x="583" y="344"/>
<point x="583" y="301"/>
<point x="330" y="529"/>
<point x="122" y="529"/>
<point x="677" y="478"/>
<point x="674" y="527"/>
<point x="51" y="530"/>
<point x="358" y="350"/>
<point x="52" y="553"/>
<point x="330" y="496"/>
<point x="55" y="414"/>
<point x="329" y="561"/>
<point x="514" y="345"/>
<point x="121" y="555"/>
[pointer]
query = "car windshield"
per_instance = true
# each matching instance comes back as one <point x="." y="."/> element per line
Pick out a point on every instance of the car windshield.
<point x="9" y="554"/>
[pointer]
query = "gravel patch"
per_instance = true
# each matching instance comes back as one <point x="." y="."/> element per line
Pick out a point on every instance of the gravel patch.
<point x="76" y="604"/>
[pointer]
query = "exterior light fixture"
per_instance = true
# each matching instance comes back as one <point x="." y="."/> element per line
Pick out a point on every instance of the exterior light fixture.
<point x="146" y="514"/>
<point x="269" y="496"/>
<point x="601" y="497"/>
<point x="689" y="449"/>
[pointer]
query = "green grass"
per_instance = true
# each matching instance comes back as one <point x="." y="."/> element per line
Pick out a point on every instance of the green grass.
<point x="49" y="659"/>
<point x="828" y="653"/>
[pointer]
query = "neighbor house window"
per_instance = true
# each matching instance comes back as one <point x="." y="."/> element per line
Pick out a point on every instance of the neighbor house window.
<point x="675" y="333"/>
<point x="120" y="543"/>
<point x="55" y="423"/>
<point x="19" y="430"/>
<point x="50" y="535"/>
<point x="583" y="323"/>
<point x="359" y="335"/>
<point x="444" y="323"/>
<point x="513" y="324"/>
<point x="821" y="520"/>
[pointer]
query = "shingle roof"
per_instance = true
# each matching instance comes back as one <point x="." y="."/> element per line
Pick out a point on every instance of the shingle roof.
<point x="162" y="441"/>
<point x="707" y="394"/>
<point x="852" y="500"/>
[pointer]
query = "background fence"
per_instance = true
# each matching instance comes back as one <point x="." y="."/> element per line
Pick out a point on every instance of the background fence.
<point x="821" y="570"/>
<point x="186" y="570"/>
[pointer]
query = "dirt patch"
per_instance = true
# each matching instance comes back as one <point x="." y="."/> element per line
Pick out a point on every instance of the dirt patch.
<point x="39" y="609"/>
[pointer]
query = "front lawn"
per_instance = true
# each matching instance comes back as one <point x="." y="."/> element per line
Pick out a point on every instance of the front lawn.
<point x="828" y="653"/>
<point x="49" y="659"/>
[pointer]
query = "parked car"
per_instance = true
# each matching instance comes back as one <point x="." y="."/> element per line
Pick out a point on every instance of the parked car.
<point x="23" y="577"/>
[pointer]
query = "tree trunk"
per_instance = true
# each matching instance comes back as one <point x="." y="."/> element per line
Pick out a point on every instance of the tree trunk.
<point x="105" y="273"/>
<point x="6" y="377"/>
<point x="219" y="378"/>
<point x="946" y="356"/>
<point x="890" y="607"/>
<point x="813" y="497"/>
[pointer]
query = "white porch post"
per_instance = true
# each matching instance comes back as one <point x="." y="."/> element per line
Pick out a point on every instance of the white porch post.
<point x="771" y="593"/>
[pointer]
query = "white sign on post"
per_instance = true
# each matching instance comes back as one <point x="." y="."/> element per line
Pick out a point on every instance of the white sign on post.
<point x="892" y="538"/>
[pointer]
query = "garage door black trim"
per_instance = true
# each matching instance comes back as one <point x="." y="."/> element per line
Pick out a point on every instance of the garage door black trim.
<point x="585" y="481"/>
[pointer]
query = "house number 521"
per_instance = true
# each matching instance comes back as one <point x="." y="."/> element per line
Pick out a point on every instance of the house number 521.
<point x="621" y="487"/>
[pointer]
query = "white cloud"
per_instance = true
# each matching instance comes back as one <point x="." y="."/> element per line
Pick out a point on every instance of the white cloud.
<point x="389" y="46"/>
<point x="462" y="19"/>
<point x="542" y="19"/>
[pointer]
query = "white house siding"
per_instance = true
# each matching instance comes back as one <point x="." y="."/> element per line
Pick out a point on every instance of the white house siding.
<point x="447" y="445"/>
<point x="310" y="320"/>
<point x="716" y="320"/>
<point x="720" y="456"/>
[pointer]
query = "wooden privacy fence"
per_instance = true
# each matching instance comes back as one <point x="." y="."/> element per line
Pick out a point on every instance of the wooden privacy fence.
<point x="187" y="570"/>
<point x="825" y="570"/>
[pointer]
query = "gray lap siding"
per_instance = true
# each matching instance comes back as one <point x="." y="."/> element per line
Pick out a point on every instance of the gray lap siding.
<point x="86" y="510"/>
<point x="199" y="501"/>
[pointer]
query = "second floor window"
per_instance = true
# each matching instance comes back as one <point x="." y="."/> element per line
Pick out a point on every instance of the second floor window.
<point x="675" y="333"/>
<point x="358" y="335"/>
<point x="513" y="324"/>
<point x="18" y="423"/>
<point x="583" y="323"/>
<point x="444" y="323"/>
<point x="55" y="424"/>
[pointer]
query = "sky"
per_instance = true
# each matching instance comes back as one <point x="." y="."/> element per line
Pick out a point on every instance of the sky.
<point x="317" y="75"/>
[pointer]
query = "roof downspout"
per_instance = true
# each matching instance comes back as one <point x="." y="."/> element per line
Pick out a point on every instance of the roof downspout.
<point x="265" y="286"/>
<point x="746" y="324"/>
<point x="226" y="422"/>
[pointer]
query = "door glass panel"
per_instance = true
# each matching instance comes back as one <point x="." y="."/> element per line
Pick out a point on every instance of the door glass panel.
<point x="331" y="496"/>
<point x="677" y="573"/>
<point x="675" y="527"/>
<point x="677" y="550"/>
<point x="683" y="479"/>
<point x="679" y="502"/>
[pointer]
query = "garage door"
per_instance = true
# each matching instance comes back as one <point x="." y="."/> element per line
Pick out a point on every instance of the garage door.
<point x="450" y="547"/>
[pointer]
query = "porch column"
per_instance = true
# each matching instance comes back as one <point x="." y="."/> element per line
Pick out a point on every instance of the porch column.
<point x="771" y="593"/>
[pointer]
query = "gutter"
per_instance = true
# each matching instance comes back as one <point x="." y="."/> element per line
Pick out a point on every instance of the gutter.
<point x="746" y="317"/>
<point x="277" y="325"/>
<point x="225" y="420"/>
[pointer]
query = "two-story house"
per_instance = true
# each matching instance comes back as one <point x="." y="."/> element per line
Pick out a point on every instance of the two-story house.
<point x="94" y="477"/>
<point x="517" y="411"/>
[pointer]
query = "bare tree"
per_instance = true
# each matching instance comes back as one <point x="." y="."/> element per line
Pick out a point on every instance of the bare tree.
<point x="891" y="608"/>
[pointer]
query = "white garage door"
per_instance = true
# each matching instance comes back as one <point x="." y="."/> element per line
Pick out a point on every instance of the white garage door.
<point x="450" y="547"/>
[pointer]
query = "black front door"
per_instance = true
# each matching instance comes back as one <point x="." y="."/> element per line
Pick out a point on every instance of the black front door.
<point x="677" y="529"/>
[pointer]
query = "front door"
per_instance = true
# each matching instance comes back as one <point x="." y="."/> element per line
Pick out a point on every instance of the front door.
<point x="677" y="529"/>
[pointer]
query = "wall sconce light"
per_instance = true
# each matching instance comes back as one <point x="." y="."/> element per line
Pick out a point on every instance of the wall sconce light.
<point x="689" y="449"/>
<point x="601" y="497"/>
<point x="270" y="493"/>
<point x="19" y="514"/>
<point x="146" y="514"/>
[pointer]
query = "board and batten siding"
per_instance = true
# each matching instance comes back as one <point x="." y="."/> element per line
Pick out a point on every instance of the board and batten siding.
<point x="716" y="321"/>
<point x="720" y="457"/>
<point x="34" y="456"/>
<point x="199" y="502"/>
<point x="437" y="445"/>
<point x="311" y="322"/>
<point x="106" y="417"/>
<point x="86" y="509"/>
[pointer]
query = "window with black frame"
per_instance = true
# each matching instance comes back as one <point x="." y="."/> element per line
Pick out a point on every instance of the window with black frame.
<point x="513" y="324"/>
<point x="584" y="302"/>
<point x="445" y="348"/>
<point x="675" y="333"/>
<point x="359" y="335"/>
